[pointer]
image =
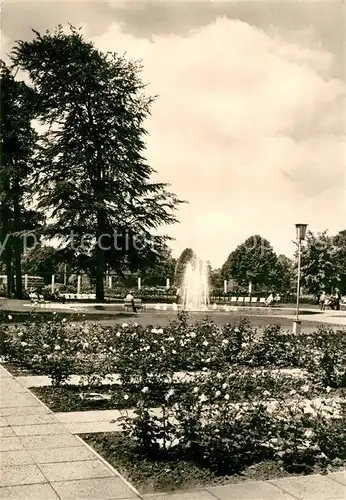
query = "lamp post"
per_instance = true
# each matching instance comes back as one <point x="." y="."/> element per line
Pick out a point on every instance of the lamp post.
<point x="300" y="232"/>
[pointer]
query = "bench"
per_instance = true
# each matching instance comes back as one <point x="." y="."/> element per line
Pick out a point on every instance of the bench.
<point x="37" y="299"/>
<point x="138" y="304"/>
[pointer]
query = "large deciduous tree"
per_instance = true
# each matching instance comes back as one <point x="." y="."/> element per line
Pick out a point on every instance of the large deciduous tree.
<point x="95" y="179"/>
<point x="18" y="160"/>
<point x="253" y="261"/>
<point x="320" y="267"/>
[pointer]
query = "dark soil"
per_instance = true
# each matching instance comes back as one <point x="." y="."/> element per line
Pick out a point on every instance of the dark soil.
<point x="68" y="398"/>
<point x="163" y="474"/>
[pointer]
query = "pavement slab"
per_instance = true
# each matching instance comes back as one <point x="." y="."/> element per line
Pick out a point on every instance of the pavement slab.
<point x="55" y="441"/>
<point x="182" y="495"/>
<point x="314" y="487"/>
<point x="52" y="455"/>
<point x="4" y="373"/>
<point x="91" y="427"/>
<point x="107" y="488"/>
<point x="340" y="477"/>
<point x="66" y="471"/>
<point x="18" y="457"/>
<point x="10" y="444"/>
<point x="3" y="422"/>
<point x="21" y="474"/>
<point x="39" y="430"/>
<point x="88" y="416"/>
<point x="250" y="490"/>
<point x="14" y="400"/>
<point x="6" y="432"/>
<point x="42" y="491"/>
<point x="26" y="420"/>
<point x="24" y="410"/>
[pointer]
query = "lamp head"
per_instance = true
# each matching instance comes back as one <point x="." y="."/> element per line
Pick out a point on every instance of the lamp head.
<point x="301" y="231"/>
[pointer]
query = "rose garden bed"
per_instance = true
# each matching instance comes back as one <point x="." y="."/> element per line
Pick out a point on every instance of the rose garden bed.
<point x="242" y="386"/>
<point x="165" y="472"/>
<point x="233" y="417"/>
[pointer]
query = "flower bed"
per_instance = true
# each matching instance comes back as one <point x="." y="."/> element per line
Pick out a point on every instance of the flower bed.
<point x="59" y="349"/>
<point x="164" y="473"/>
<point x="238" y="385"/>
<point x="231" y="412"/>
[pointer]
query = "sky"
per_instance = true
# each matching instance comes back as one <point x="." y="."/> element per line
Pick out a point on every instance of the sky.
<point x="250" y="119"/>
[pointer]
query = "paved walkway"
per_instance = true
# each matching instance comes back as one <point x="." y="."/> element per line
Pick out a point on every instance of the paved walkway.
<point x="41" y="459"/>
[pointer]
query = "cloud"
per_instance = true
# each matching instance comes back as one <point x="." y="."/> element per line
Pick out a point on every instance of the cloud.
<point x="247" y="127"/>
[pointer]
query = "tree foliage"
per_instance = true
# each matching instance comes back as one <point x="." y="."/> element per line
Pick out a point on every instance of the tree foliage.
<point x="254" y="260"/>
<point x="323" y="262"/>
<point x="18" y="161"/>
<point x="42" y="260"/>
<point x="94" y="178"/>
<point x="186" y="256"/>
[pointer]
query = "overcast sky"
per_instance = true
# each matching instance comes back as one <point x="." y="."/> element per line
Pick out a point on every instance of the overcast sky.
<point x="250" y="122"/>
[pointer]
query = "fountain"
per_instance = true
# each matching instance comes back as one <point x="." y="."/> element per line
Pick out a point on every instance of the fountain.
<point x="195" y="286"/>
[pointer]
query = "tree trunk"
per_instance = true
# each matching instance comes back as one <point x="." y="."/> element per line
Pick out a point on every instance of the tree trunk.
<point x="18" y="269"/>
<point x="100" y="271"/>
<point x="100" y="260"/>
<point x="17" y="245"/>
<point x="9" y="270"/>
<point x="7" y="241"/>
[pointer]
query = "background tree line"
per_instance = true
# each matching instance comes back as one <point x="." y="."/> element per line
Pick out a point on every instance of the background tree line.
<point x="323" y="265"/>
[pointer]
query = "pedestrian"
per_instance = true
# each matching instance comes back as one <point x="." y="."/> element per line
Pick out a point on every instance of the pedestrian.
<point x="269" y="300"/>
<point x="322" y="301"/>
<point x="130" y="297"/>
<point x="337" y="299"/>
